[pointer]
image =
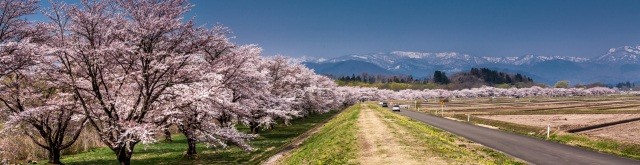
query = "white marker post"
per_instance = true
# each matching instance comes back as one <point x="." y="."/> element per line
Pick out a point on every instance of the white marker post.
<point x="468" y="118"/>
<point x="548" y="130"/>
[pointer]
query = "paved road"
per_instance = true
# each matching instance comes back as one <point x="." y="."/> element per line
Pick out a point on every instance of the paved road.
<point x="532" y="150"/>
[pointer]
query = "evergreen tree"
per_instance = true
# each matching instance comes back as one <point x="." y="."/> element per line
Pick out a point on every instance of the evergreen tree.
<point x="440" y="77"/>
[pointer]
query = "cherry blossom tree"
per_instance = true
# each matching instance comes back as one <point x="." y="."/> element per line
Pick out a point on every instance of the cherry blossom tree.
<point x="227" y="89"/>
<point x="197" y="110"/>
<point x="284" y="93"/>
<point x="49" y="116"/>
<point x="15" y="34"/>
<point x="37" y="107"/>
<point x="119" y="58"/>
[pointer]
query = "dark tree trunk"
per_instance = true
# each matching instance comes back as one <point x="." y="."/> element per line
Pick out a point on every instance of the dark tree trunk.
<point x="254" y="126"/>
<point x="224" y="120"/>
<point x="191" y="141"/>
<point x="124" y="154"/>
<point x="167" y="134"/>
<point x="54" y="156"/>
<point x="191" y="151"/>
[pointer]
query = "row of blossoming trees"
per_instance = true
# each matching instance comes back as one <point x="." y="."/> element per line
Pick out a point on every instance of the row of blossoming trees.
<point x="130" y="68"/>
<point x="500" y="92"/>
<point x="535" y="91"/>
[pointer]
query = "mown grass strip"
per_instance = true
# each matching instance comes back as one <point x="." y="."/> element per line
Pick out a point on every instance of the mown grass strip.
<point x="334" y="143"/>
<point x="455" y="149"/>
<point x="172" y="152"/>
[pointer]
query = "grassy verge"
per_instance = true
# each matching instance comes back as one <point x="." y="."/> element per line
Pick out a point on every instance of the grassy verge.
<point x="266" y="145"/>
<point x="454" y="149"/>
<point x="334" y="143"/>
<point x="628" y="150"/>
<point x="623" y="149"/>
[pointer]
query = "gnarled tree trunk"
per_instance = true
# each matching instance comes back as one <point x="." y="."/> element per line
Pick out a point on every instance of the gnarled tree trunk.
<point x="191" y="150"/>
<point x="191" y="140"/>
<point x="255" y="127"/>
<point x="124" y="154"/>
<point x="54" y="156"/>
<point x="167" y="134"/>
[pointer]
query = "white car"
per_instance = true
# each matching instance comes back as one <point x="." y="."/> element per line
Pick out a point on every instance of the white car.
<point x="396" y="108"/>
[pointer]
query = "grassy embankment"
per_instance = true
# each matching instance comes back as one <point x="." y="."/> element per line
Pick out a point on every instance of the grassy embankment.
<point x="268" y="143"/>
<point x="336" y="142"/>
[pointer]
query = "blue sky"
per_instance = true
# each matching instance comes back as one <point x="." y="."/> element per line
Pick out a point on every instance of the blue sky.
<point x="330" y="28"/>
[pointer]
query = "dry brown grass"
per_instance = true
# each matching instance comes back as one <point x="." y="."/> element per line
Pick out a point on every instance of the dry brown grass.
<point x="20" y="148"/>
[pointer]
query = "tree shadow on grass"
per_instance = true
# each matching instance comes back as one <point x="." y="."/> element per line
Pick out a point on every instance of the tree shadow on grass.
<point x="173" y="152"/>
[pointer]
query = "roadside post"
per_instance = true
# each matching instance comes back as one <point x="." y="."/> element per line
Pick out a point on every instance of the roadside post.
<point x="548" y="130"/>
<point x="468" y="118"/>
<point x="441" y="109"/>
<point x="442" y="102"/>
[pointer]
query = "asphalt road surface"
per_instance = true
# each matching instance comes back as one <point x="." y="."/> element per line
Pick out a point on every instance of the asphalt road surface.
<point x="532" y="150"/>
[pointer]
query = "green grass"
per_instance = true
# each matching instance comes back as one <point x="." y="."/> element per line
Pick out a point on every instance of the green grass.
<point x="623" y="149"/>
<point x="334" y="143"/>
<point x="454" y="149"/>
<point x="268" y="143"/>
<point x="628" y="150"/>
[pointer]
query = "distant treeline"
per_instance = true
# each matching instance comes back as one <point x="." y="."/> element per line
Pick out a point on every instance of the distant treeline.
<point x="495" y="77"/>
<point x="476" y="77"/>
<point x="626" y="85"/>
<point x="368" y="78"/>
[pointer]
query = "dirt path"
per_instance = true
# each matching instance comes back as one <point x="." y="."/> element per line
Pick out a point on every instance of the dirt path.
<point x="380" y="144"/>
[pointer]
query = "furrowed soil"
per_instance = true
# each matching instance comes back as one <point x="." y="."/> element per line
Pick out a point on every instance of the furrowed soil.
<point x="563" y="121"/>
<point x="627" y="132"/>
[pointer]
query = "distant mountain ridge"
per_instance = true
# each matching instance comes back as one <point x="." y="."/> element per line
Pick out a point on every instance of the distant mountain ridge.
<point x="618" y="64"/>
<point x="621" y="55"/>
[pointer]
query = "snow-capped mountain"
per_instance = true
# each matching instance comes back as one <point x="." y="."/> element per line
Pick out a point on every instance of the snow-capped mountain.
<point x="395" y="59"/>
<point x="621" y="55"/>
<point x="619" y="64"/>
<point x="532" y="59"/>
<point x="304" y="59"/>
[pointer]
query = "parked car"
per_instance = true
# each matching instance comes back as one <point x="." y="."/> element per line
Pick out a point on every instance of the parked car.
<point x="385" y="105"/>
<point x="396" y="108"/>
